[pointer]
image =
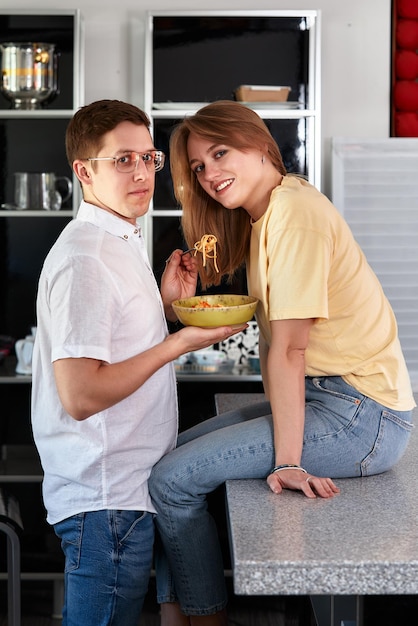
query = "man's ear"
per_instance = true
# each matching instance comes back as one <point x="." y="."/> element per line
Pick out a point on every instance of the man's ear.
<point x="82" y="172"/>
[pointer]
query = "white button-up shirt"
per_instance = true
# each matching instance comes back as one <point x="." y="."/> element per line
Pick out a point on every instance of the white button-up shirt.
<point x="98" y="298"/>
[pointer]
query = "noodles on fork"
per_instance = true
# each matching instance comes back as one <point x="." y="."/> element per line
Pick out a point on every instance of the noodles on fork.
<point x="207" y="246"/>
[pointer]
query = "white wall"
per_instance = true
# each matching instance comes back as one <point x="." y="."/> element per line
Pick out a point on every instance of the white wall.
<point x="356" y="44"/>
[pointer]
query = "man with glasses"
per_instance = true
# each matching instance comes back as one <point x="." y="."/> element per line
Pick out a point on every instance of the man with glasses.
<point x="104" y="404"/>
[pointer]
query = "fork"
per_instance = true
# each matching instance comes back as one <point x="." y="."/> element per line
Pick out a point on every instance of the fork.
<point x="189" y="251"/>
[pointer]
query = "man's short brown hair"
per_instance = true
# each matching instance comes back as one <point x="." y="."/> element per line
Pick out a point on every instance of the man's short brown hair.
<point x="91" y="122"/>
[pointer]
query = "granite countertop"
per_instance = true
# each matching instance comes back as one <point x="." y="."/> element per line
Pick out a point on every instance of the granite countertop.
<point x="364" y="541"/>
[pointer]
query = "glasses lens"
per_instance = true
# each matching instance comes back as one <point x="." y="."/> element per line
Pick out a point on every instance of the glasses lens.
<point x="159" y="158"/>
<point x="128" y="162"/>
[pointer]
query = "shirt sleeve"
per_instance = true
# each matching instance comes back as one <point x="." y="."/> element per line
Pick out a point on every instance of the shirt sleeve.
<point x="83" y="303"/>
<point x="298" y="264"/>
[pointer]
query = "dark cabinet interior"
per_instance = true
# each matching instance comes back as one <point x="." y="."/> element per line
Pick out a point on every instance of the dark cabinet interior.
<point x="205" y="58"/>
<point x="48" y="28"/>
<point x="32" y="145"/>
<point x="24" y="243"/>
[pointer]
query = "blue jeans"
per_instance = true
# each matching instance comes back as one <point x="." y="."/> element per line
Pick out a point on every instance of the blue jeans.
<point x="346" y="435"/>
<point x="108" y="560"/>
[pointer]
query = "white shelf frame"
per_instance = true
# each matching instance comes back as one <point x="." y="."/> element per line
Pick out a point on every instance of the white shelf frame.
<point x="144" y="96"/>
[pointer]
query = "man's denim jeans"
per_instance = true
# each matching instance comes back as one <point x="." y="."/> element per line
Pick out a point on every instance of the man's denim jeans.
<point x="108" y="559"/>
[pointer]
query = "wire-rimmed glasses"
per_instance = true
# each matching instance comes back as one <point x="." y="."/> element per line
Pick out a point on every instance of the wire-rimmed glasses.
<point x="128" y="161"/>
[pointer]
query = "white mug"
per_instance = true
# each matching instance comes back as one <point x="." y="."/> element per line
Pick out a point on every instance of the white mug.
<point x="24" y="350"/>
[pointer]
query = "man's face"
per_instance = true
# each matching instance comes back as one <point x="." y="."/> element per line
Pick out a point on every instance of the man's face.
<point x="125" y="194"/>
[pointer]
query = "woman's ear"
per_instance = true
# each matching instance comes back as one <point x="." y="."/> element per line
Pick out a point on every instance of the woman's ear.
<point x="82" y="172"/>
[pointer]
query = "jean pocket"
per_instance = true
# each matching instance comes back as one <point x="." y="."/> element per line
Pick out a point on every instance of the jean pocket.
<point x="70" y="531"/>
<point x="390" y="444"/>
<point x="336" y="387"/>
<point x="333" y="405"/>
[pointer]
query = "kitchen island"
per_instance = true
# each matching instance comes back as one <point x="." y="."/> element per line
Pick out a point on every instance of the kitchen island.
<point x="362" y="542"/>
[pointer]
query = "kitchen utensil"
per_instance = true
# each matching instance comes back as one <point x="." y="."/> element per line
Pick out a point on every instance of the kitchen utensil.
<point x="29" y="74"/>
<point x="40" y="190"/>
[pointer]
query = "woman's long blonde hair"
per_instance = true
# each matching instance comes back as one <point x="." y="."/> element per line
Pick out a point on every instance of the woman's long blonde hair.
<point x="233" y="124"/>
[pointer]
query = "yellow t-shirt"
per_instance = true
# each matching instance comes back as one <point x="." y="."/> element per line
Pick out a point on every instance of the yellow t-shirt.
<point x="305" y="263"/>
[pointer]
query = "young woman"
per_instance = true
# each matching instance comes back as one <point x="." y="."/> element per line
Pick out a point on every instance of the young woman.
<point x="340" y="398"/>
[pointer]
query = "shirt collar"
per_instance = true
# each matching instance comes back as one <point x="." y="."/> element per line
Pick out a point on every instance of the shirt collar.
<point x="110" y="223"/>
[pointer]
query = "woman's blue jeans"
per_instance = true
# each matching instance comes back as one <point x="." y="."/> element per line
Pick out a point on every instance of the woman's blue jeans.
<point x="108" y="560"/>
<point x="346" y="435"/>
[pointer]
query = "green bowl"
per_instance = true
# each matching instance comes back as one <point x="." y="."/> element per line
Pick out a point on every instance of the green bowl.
<point x="220" y="310"/>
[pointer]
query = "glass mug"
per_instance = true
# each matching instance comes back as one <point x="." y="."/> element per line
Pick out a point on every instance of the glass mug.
<point x="40" y="190"/>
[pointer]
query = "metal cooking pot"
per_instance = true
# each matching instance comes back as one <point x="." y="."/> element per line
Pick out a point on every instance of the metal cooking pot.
<point x="29" y="74"/>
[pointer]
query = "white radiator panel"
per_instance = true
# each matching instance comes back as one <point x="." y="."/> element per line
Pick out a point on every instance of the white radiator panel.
<point x="375" y="186"/>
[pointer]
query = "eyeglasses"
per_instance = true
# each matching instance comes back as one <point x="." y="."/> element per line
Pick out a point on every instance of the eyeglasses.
<point x="128" y="162"/>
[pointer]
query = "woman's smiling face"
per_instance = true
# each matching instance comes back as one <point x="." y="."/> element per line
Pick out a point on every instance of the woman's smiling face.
<point x="232" y="177"/>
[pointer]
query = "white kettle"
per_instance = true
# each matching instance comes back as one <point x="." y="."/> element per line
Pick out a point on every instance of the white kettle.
<point x="24" y="350"/>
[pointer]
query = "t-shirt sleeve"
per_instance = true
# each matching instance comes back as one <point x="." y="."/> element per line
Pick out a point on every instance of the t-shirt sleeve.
<point x="298" y="267"/>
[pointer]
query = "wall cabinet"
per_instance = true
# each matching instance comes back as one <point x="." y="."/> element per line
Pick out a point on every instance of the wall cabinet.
<point x="32" y="140"/>
<point x="195" y="57"/>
